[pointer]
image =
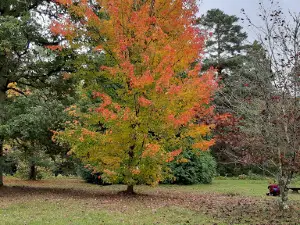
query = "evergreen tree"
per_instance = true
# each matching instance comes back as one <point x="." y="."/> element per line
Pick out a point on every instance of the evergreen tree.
<point x="24" y="62"/>
<point x="228" y="52"/>
<point x="226" y="42"/>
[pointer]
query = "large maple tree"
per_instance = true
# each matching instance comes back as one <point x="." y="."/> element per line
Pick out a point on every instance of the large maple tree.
<point x="154" y="53"/>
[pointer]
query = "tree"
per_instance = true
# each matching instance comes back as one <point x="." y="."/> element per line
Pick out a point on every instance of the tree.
<point x="272" y="128"/>
<point x="23" y="59"/>
<point x="226" y="50"/>
<point x="150" y="49"/>
<point x="28" y="128"/>
<point x="226" y="42"/>
<point x="193" y="169"/>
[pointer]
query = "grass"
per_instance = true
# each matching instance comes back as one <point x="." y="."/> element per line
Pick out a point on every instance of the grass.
<point x="70" y="213"/>
<point x="71" y="201"/>
<point x="255" y="188"/>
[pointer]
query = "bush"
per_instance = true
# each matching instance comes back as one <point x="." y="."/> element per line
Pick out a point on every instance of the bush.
<point x="87" y="174"/>
<point x="250" y="176"/>
<point x="23" y="172"/>
<point x="199" y="169"/>
<point x="66" y="166"/>
<point x="9" y="166"/>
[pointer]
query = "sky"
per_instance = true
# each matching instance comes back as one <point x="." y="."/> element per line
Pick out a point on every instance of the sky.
<point x="233" y="7"/>
<point x="251" y="6"/>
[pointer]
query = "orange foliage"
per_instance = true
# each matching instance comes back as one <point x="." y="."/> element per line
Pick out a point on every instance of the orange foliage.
<point x="144" y="102"/>
<point x="66" y="76"/>
<point x="204" y="145"/>
<point x="150" y="52"/>
<point x="173" y="154"/>
<point x="151" y="150"/>
<point x="54" y="47"/>
<point x="141" y="82"/>
<point x="65" y="28"/>
<point x="64" y="2"/>
<point x="135" y="171"/>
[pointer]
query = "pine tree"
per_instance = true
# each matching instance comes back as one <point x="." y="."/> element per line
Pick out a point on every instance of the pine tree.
<point x="226" y="42"/>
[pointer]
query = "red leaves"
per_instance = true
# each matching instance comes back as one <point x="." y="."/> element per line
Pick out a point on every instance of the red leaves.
<point x="106" y="113"/>
<point x="65" y="28"/>
<point x="144" y="102"/>
<point x="55" y="47"/>
<point x="64" y="2"/>
<point x="98" y="48"/>
<point x="175" y="89"/>
<point x="123" y="45"/>
<point x="126" y="114"/>
<point x="276" y="98"/>
<point x="182" y="119"/>
<point x="106" y="99"/>
<point x="57" y="28"/>
<point x="164" y="80"/>
<point x="141" y="82"/>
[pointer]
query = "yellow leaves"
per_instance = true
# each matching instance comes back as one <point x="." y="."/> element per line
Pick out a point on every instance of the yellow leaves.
<point x="182" y="160"/>
<point x="196" y="130"/>
<point x="204" y="145"/>
<point x="111" y="161"/>
<point x="109" y="172"/>
<point x="12" y="93"/>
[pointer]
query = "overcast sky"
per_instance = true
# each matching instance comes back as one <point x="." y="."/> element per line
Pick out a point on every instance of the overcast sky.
<point x="251" y="6"/>
<point x="233" y="7"/>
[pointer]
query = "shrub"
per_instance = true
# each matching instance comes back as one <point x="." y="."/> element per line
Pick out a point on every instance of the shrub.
<point x="66" y="166"/>
<point x="23" y="172"/>
<point x="9" y="166"/>
<point x="199" y="169"/>
<point x="86" y="173"/>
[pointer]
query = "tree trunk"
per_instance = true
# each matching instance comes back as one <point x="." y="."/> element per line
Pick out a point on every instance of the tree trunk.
<point x="2" y="100"/>
<point x="1" y="161"/>
<point x="130" y="190"/>
<point x="152" y="8"/>
<point x="283" y="185"/>
<point x="32" y="172"/>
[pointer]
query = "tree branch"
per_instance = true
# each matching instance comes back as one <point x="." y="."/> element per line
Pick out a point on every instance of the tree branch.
<point x="17" y="90"/>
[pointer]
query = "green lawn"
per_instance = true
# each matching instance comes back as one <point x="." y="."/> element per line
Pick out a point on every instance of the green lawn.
<point x="254" y="188"/>
<point x="70" y="201"/>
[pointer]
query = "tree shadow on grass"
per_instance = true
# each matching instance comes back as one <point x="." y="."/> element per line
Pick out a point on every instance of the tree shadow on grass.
<point x="230" y="208"/>
<point x="29" y="191"/>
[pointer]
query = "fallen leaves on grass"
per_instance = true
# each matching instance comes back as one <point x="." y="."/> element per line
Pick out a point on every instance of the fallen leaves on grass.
<point x="234" y="209"/>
